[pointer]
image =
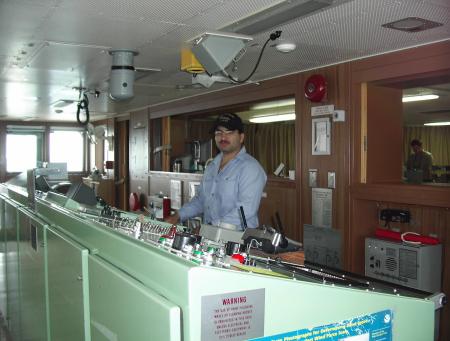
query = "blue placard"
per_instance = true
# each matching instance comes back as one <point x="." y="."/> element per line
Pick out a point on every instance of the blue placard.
<point x="372" y="327"/>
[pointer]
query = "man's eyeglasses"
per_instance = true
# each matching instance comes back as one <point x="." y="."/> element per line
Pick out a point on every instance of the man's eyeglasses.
<point x="223" y="132"/>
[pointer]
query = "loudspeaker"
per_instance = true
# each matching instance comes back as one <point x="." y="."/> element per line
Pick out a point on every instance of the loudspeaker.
<point x="215" y="50"/>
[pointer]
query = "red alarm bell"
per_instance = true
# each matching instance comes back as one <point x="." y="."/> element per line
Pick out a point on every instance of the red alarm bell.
<point x="315" y="88"/>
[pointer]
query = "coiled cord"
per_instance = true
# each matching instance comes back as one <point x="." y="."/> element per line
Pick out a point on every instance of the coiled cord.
<point x="83" y="104"/>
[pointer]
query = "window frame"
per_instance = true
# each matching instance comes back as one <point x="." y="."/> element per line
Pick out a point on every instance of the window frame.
<point x="86" y="150"/>
<point x="38" y="131"/>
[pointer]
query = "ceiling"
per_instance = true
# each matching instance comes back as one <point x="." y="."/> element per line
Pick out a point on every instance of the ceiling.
<point x="50" y="47"/>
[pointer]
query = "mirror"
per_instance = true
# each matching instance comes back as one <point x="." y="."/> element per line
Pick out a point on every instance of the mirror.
<point x="271" y="142"/>
<point x="426" y="118"/>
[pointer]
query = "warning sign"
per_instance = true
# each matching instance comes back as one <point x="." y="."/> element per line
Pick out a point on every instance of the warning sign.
<point x="233" y="316"/>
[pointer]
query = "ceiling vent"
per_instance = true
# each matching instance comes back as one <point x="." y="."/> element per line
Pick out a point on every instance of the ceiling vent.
<point x="412" y="24"/>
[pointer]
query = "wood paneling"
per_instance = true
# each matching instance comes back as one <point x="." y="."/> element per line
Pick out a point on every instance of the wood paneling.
<point x="384" y="137"/>
<point x="339" y="160"/>
<point x="281" y="197"/>
<point x="122" y="188"/>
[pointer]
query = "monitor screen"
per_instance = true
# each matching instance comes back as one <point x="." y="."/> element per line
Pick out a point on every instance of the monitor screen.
<point x="82" y="194"/>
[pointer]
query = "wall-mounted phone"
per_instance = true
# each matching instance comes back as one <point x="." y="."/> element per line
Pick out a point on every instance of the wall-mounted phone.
<point x="395" y="215"/>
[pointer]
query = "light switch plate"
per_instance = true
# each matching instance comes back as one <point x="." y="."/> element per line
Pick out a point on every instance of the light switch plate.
<point x="331" y="179"/>
<point x="339" y="116"/>
<point x="313" y="178"/>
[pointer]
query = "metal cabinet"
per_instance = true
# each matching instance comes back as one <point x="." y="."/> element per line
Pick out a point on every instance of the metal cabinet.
<point x="33" y="310"/>
<point x="12" y="270"/>
<point x="68" y="287"/>
<point x="3" y="297"/>
<point x="124" y="309"/>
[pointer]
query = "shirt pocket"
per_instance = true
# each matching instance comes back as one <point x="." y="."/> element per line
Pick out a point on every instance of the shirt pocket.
<point x="228" y="189"/>
<point x="208" y="182"/>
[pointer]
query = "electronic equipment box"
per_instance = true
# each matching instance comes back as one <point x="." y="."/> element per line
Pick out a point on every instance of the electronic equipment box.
<point x="414" y="266"/>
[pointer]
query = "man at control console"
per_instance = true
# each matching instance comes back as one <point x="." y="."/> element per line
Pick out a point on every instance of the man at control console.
<point x="234" y="179"/>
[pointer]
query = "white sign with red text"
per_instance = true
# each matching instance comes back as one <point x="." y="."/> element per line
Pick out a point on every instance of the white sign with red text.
<point x="233" y="316"/>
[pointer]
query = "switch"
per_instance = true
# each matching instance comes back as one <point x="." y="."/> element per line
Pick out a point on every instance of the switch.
<point x="331" y="179"/>
<point x="339" y="116"/>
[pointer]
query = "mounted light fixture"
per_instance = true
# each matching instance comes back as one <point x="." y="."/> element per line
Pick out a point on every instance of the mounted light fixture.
<point x="436" y="124"/>
<point x="273" y="118"/>
<point x="417" y="98"/>
<point x="277" y="15"/>
<point x="274" y="104"/>
<point x="285" y="46"/>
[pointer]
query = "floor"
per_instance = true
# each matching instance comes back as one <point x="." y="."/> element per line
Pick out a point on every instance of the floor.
<point x="4" y="334"/>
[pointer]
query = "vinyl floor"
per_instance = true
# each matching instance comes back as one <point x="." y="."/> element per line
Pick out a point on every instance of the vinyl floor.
<point x="4" y="334"/>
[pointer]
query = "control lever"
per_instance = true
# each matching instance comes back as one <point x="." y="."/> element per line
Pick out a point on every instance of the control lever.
<point x="244" y="221"/>
<point x="283" y="242"/>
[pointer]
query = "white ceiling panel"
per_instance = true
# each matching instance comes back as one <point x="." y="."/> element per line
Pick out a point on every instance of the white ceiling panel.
<point x="48" y="47"/>
<point x="174" y="11"/>
<point x="101" y="30"/>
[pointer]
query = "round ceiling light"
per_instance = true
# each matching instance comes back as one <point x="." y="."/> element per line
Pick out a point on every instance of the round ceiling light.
<point x="285" y="46"/>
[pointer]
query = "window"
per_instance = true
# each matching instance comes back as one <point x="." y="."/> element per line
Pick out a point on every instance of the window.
<point x="68" y="145"/>
<point x="23" y="147"/>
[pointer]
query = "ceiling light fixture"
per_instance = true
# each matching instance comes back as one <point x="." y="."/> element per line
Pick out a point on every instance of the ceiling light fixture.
<point x="275" y="16"/>
<point x="273" y="118"/>
<point x="437" y="124"/>
<point x="285" y="46"/>
<point x="274" y="104"/>
<point x="416" y="98"/>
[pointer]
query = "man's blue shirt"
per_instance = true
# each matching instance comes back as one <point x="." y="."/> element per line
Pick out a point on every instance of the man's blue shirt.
<point x="220" y="194"/>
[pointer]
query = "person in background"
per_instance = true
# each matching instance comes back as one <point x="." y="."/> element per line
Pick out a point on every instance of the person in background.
<point x="232" y="180"/>
<point x="420" y="159"/>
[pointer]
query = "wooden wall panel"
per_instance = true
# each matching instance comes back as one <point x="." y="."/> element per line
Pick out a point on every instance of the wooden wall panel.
<point x="122" y="189"/>
<point x="339" y="160"/>
<point x="280" y="197"/>
<point x="384" y="135"/>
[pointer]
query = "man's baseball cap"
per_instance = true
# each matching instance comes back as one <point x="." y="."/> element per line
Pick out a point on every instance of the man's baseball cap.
<point x="229" y="121"/>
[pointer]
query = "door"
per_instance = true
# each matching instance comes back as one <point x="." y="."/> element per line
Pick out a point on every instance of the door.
<point x="33" y="309"/>
<point x="68" y="287"/>
<point x="12" y="270"/>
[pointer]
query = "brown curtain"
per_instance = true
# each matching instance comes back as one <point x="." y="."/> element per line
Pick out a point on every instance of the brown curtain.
<point x="436" y="140"/>
<point x="271" y="144"/>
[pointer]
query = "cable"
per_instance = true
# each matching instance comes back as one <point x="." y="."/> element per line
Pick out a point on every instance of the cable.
<point x="83" y="104"/>
<point x="273" y="36"/>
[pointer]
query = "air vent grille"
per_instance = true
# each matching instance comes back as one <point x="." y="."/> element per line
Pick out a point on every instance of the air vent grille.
<point x="412" y="24"/>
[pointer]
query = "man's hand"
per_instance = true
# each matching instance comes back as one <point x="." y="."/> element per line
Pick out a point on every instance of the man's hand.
<point x="172" y="219"/>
